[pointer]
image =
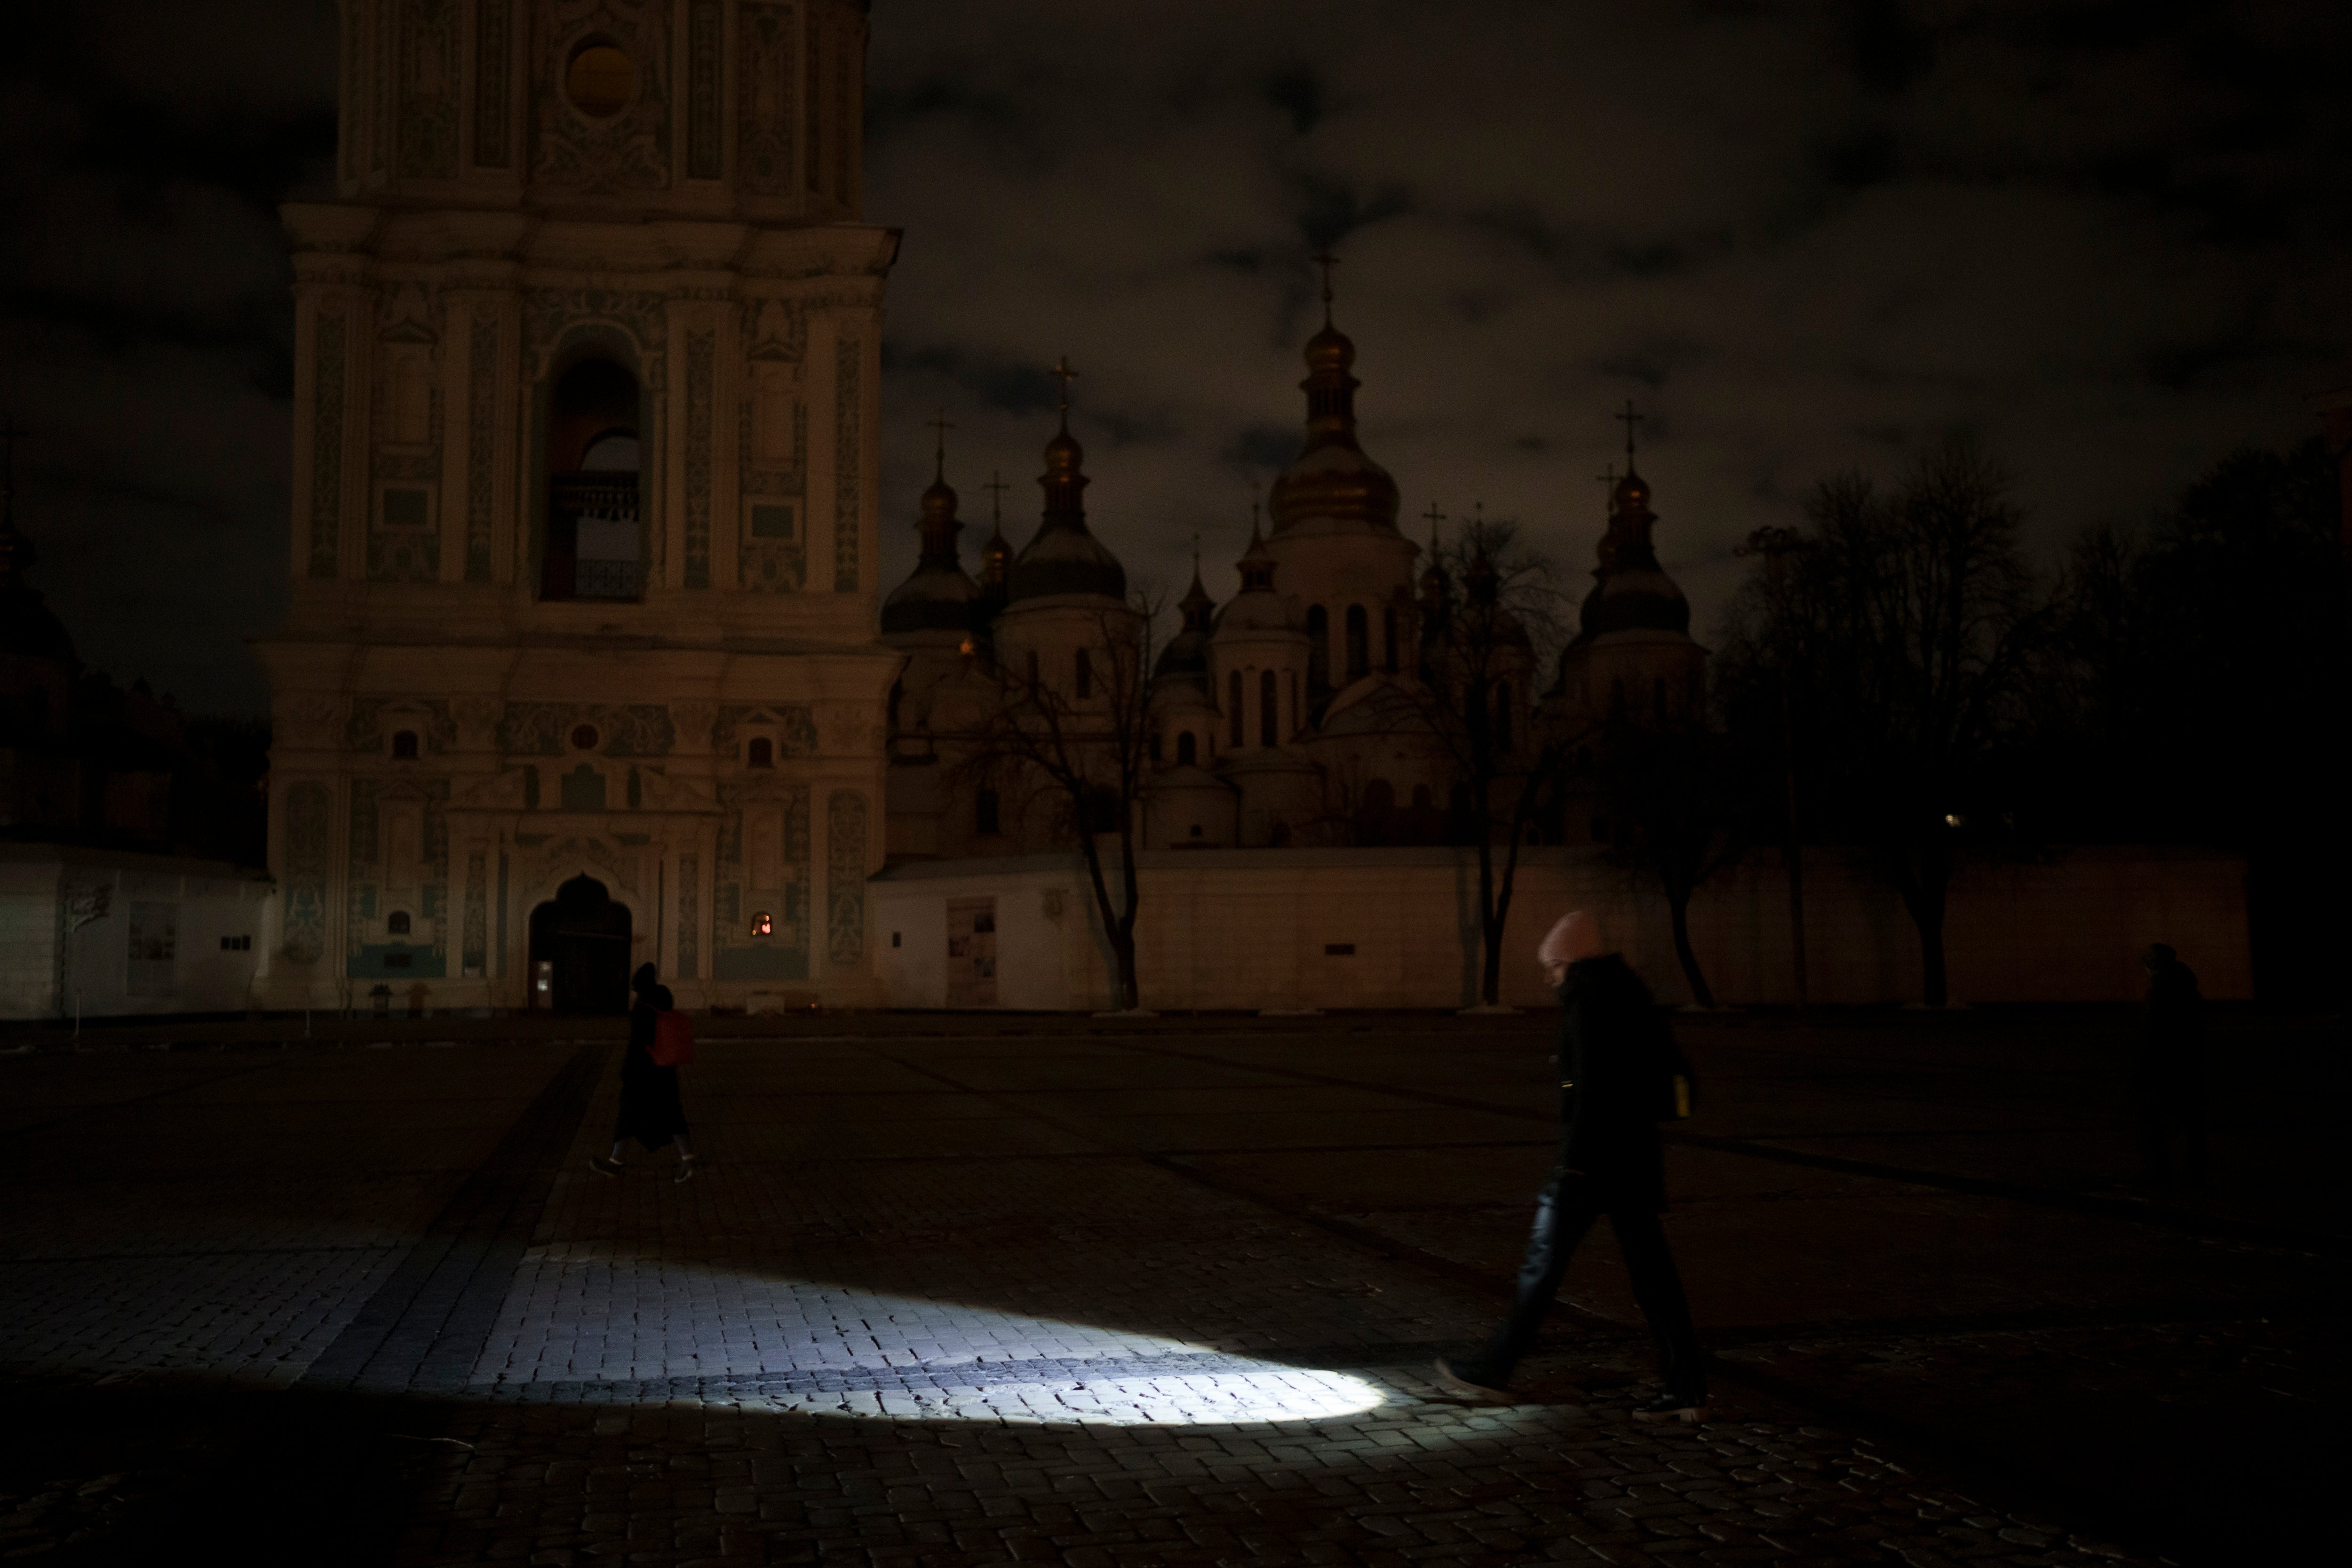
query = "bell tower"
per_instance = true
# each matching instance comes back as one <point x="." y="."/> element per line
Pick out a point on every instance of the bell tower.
<point x="583" y="538"/>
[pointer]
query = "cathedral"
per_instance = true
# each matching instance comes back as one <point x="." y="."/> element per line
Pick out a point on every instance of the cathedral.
<point x="1295" y="714"/>
<point x="580" y="669"/>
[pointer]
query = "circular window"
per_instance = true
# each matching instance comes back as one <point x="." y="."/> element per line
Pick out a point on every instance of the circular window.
<point x="584" y="738"/>
<point x="600" y="81"/>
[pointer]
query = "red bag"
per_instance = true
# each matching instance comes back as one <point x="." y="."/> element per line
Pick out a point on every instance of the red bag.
<point x="673" y="1039"/>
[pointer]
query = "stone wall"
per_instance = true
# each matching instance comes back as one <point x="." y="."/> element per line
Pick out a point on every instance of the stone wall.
<point x="1398" y="928"/>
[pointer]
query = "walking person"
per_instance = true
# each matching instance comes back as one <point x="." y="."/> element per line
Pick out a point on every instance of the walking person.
<point x="1619" y="1072"/>
<point x="650" y="1111"/>
<point x="2172" y="1071"/>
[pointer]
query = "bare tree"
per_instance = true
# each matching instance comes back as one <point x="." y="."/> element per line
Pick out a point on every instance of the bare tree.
<point x="1081" y="759"/>
<point x="1676" y="800"/>
<point x="1495" y="603"/>
<point x="1918" y="618"/>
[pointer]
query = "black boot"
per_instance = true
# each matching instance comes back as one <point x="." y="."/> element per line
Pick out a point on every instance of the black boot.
<point x="1670" y="1407"/>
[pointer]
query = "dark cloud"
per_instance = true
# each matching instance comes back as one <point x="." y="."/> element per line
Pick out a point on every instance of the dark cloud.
<point x="1804" y="234"/>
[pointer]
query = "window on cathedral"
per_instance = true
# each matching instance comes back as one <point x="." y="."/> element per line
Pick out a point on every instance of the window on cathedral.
<point x="984" y="812"/>
<point x="600" y="80"/>
<point x="404" y="745"/>
<point x="1187" y="751"/>
<point x="760" y="752"/>
<point x="897" y="698"/>
<point x="1359" y="658"/>
<point x="1318" y="652"/>
<point x="397" y="923"/>
<point x="594" y="543"/>
<point x="1389" y="640"/>
<point x="584" y="737"/>
<point x="763" y="923"/>
<point x="1269" y="710"/>
<point x="1152" y="746"/>
<point x="1233" y="709"/>
<point x="1085" y="675"/>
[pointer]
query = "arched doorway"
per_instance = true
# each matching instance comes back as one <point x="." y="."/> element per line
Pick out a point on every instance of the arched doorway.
<point x="580" y="950"/>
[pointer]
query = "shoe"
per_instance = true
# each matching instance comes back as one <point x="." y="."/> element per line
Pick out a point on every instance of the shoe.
<point x="1670" y="1407"/>
<point x="1469" y="1387"/>
<point x="686" y="1169"/>
<point x="605" y="1166"/>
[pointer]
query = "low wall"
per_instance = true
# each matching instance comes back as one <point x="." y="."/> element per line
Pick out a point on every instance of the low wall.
<point x="1399" y="928"/>
<point x="179" y="936"/>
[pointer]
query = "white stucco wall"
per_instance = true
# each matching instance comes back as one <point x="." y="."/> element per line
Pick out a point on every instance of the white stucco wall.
<point x="206" y="901"/>
<point x="1256" y="929"/>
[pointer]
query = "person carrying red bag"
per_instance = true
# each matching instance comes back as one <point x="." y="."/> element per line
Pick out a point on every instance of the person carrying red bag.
<point x="650" y="1110"/>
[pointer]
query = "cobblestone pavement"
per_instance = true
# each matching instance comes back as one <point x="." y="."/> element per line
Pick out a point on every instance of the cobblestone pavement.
<point x="989" y="1290"/>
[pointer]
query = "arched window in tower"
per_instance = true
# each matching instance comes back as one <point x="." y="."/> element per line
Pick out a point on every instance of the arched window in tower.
<point x="397" y="923"/>
<point x="1503" y="716"/>
<point x="760" y="752"/>
<point x="898" y="697"/>
<point x="1359" y="658"/>
<point x="1085" y="675"/>
<point x="594" y="546"/>
<point x="404" y="745"/>
<point x="1389" y="640"/>
<point x="1188" y="752"/>
<point x="1233" y="709"/>
<point x="984" y="812"/>
<point x="1318" y="652"/>
<point x="1269" y="715"/>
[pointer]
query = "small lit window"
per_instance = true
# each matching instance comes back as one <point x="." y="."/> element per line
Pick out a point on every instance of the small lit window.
<point x="404" y="745"/>
<point x="398" y="924"/>
<point x="764" y="924"/>
<point x="760" y="752"/>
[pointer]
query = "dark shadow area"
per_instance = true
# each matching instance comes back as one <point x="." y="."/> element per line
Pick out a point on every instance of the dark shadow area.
<point x="581" y="939"/>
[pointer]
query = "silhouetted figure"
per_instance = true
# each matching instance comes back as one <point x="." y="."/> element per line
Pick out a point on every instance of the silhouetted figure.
<point x="1618" y="1066"/>
<point x="650" y="1111"/>
<point x="2172" y="1071"/>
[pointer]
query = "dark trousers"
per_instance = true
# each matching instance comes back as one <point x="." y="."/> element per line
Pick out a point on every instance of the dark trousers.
<point x="1570" y="1204"/>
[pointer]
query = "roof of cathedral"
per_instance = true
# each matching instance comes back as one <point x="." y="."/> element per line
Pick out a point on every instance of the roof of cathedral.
<point x="1332" y="478"/>
<point x="1187" y="653"/>
<point x="1257" y="607"/>
<point x="1063" y="557"/>
<point x="938" y="595"/>
<point x="1631" y="592"/>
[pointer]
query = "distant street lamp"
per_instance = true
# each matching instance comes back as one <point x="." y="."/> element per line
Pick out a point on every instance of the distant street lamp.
<point x="1776" y="545"/>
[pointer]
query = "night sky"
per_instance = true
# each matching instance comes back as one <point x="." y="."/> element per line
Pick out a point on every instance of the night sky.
<point x="2111" y="239"/>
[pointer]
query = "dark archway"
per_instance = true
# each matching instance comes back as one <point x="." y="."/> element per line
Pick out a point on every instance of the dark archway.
<point x="582" y="937"/>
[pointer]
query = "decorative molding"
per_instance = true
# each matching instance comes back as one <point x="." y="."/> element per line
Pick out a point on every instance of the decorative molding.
<point x="844" y="835"/>
<point x="691" y="722"/>
<point x="306" y="719"/>
<point x="628" y="153"/>
<point x="704" y="151"/>
<point x="493" y="78"/>
<point x="364" y="731"/>
<point x="309" y="863"/>
<point x="501" y="791"/>
<point x="689" y="923"/>
<point x="848" y="447"/>
<point x="624" y="729"/>
<point x="430" y="73"/>
<point x="481" y="445"/>
<point x="549" y="313"/>
<point x="474" y="951"/>
<point x="766" y="102"/>
<point x="796" y="728"/>
<point x="327" y="448"/>
<point x="701" y="371"/>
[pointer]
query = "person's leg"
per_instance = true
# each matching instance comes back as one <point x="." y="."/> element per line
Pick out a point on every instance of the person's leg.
<point x="1658" y="1292"/>
<point x="1564" y="1212"/>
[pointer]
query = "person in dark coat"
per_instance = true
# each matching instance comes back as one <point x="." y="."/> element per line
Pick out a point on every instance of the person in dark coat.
<point x="2172" y="1071"/>
<point x="650" y="1111"/>
<point x="1618" y="1066"/>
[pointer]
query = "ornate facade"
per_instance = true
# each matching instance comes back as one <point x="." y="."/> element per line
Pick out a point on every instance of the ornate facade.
<point x="580" y="667"/>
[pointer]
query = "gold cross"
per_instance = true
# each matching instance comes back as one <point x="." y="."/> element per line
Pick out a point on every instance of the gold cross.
<point x="1608" y="476"/>
<point x="1327" y="261"/>
<point x="996" y="487"/>
<point x="1630" y="419"/>
<point x="1064" y="375"/>
<point x="1434" y="517"/>
<point x="942" y="426"/>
